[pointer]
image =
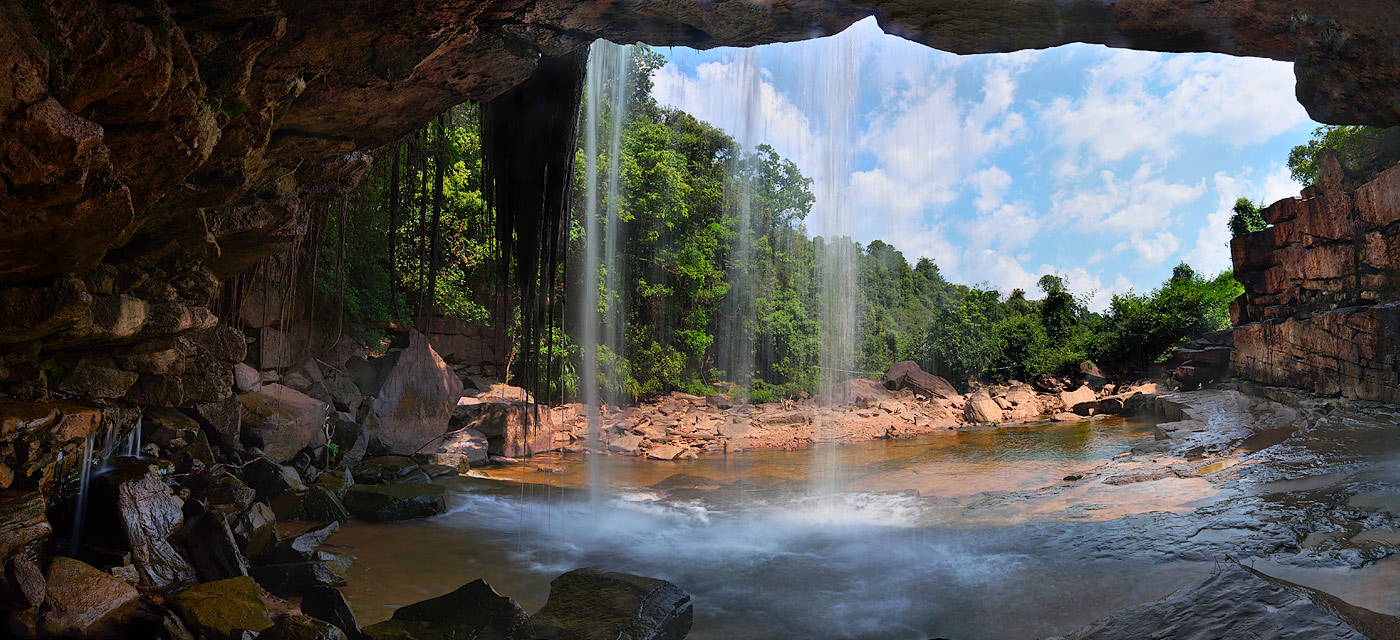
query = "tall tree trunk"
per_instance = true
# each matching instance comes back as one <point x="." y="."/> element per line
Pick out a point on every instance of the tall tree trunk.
<point x="422" y="231"/>
<point x="438" y="170"/>
<point x="394" y="229"/>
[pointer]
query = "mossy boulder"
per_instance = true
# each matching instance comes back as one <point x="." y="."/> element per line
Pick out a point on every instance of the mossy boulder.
<point x="473" y="611"/>
<point x="388" y="470"/>
<point x="393" y="502"/>
<point x="302" y="628"/>
<point x="223" y="609"/>
<point x="592" y="604"/>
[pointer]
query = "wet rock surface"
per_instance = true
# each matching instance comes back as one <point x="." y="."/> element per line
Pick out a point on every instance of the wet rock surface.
<point x="390" y="502"/>
<point x="85" y="602"/>
<point x="1238" y="602"/>
<point x="475" y="610"/>
<point x="224" y="609"/>
<point x="591" y="603"/>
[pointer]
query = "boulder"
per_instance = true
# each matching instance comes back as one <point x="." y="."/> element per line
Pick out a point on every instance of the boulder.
<point x="512" y="428"/>
<point x="25" y="587"/>
<point x="473" y="611"/>
<point x="224" y="421"/>
<point x="225" y="493"/>
<point x="1046" y="383"/>
<point x="385" y="470"/>
<point x="277" y="484"/>
<point x="149" y="515"/>
<point x="22" y="520"/>
<point x="224" y="609"/>
<point x="282" y="421"/>
<point x="908" y="375"/>
<point x="1024" y="405"/>
<point x="664" y="452"/>
<point x="245" y="378"/>
<point x="1239" y="602"/>
<point x="392" y="502"/>
<point x="589" y="603"/>
<point x="273" y="350"/>
<point x="255" y="529"/>
<point x="336" y="481"/>
<point x="287" y="580"/>
<point x="1090" y="375"/>
<point x="413" y="393"/>
<point x="299" y="548"/>
<point x="981" y="409"/>
<point x="630" y="445"/>
<point x="212" y="549"/>
<point x="302" y="627"/>
<point x="1072" y="398"/>
<point x="344" y="394"/>
<point x="322" y="505"/>
<point x="329" y="604"/>
<point x="84" y="602"/>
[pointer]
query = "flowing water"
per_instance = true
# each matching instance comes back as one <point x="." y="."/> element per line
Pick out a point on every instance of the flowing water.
<point x="897" y="548"/>
<point x="601" y="313"/>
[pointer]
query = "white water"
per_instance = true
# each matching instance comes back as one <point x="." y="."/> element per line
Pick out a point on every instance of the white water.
<point x="75" y="539"/>
<point x="831" y="95"/>
<point x="601" y="308"/>
<point x="735" y="340"/>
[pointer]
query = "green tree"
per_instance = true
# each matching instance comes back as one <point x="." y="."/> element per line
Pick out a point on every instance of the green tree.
<point x="1246" y="218"/>
<point x="1362" y="150"/>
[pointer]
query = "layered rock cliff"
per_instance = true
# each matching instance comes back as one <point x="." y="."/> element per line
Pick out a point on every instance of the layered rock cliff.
<point x="1321" y="308"/>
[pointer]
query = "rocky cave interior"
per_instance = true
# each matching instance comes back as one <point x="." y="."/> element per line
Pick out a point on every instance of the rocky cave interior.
<point x="153" y="153"/>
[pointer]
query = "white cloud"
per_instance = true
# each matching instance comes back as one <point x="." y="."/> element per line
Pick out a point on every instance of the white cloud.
<point x="1212" y="251"/>
<point x="991" y="184"/>
<point x="1151" y="250"/>
<point x="1144" y="102"/>
<point x="1010" y="227"/>
<point x="1143" y="202"/>
<point x="735" y="96"/>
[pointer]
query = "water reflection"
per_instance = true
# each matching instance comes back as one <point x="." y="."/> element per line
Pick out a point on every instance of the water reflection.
<point x="765" y="557"/>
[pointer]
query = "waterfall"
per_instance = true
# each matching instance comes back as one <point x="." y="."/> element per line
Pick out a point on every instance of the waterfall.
<point x="735" y="344"/>
<point x="75" y="540"/>
<point x="831" y="96"/>
<point x="602" y="317"/>
<point x="133" y="441"/>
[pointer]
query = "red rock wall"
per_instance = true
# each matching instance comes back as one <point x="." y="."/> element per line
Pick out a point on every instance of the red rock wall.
<point x="1321" y="308"/>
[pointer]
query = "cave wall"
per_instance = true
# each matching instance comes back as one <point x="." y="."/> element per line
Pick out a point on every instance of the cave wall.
<point x="1321" y="308"/>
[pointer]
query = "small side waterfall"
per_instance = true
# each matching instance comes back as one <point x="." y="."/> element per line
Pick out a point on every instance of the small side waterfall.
<point x="75" y="539"/>
<point x="95" y="460"/>
<point x="133" y="441"/>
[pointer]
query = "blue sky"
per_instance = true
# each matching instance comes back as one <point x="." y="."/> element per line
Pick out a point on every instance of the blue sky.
<point x="1105" y="166"/>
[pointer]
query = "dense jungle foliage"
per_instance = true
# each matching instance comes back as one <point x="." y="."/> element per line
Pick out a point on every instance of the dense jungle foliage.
<point x="708" y="295"/>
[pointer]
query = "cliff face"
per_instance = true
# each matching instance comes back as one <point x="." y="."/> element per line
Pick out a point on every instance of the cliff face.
<point x="1321" y="308"/>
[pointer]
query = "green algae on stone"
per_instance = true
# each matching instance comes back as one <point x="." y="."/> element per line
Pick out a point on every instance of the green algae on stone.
<point x="223" y="609"/>
<point x="391" y="502"/>
<point x="473" y="611"/>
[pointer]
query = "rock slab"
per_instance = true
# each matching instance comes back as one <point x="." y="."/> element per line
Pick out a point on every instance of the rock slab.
<point x="1238" y="602"/>
<point x="589" y="603"/>
<point x="473" y="611"/>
